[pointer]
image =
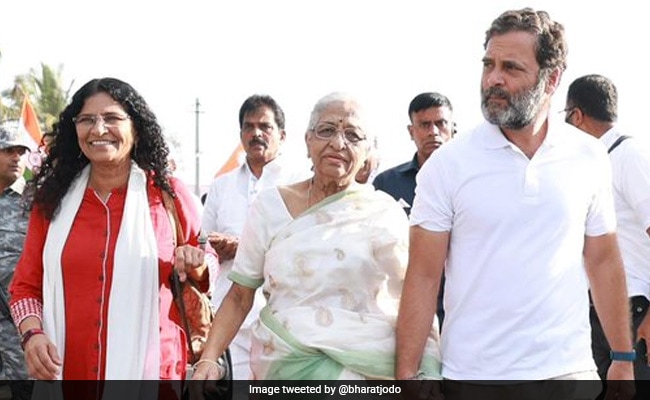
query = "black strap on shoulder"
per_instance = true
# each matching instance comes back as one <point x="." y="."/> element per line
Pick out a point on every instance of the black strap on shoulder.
<point x="617" y="142"/>
<point x="4" y="305"/>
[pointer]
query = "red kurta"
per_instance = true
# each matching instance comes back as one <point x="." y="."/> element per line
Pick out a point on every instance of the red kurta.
<point x="87" y="270"/>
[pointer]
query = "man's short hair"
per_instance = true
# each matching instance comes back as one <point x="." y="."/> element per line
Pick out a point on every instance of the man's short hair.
<point x="427" y="100"/>
<point x="254" y="102"/>
<point x="596" y="96"/>
<point x="551" y="49"/>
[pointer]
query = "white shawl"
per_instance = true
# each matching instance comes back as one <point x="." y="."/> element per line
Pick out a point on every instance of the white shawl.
<point x="133" y="348"/>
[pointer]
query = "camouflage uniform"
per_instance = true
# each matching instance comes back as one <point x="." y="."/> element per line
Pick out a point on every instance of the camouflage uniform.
<point x="13" y="227"/>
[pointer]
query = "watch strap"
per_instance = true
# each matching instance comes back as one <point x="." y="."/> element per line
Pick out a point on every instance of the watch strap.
<point x="622" y="355"/>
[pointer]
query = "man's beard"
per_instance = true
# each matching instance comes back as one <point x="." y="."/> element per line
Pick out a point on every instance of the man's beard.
<point x="521" y="108"/>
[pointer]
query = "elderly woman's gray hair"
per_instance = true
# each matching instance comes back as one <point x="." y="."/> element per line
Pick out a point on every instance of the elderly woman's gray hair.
<point x="345" y="98"/>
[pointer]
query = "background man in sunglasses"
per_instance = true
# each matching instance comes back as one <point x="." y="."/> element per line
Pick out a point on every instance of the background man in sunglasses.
<point x="591" y="106"/>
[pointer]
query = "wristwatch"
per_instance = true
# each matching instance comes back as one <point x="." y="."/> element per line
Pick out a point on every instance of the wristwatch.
<point x="622" y="355"/>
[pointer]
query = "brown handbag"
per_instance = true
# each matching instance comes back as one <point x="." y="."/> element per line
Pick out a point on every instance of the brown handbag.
<point x="194" y="306"/>
<point x="196" y="313"/>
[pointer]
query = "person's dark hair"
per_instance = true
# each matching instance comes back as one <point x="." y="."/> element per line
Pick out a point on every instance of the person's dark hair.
<point x="254" y="102"/>
<point x="551" y="49"/>
<point x="427" y="100"/>
<point x="596" y="96"/>
<point x="65" y="159"/>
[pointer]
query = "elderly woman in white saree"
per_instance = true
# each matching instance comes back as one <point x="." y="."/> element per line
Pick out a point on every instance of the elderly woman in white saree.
<point x="330" y="255"/>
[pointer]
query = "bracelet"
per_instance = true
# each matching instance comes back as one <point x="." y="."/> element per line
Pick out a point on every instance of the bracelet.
<point x="218" y="364"/>
<point x="28" y="335"/>
<point x="622" y="355"/>
<point x="417" y="377"/>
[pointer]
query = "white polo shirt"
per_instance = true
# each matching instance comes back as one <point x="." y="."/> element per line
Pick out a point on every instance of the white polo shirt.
<point x="631" y="181"/>
<point x="516" y="297"/>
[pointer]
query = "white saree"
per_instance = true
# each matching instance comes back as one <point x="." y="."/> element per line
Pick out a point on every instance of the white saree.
<point x="332" y="277"/>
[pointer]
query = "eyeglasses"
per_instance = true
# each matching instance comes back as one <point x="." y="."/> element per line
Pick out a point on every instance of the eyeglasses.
<point x="327" y="132"/>
<point x="110" y="120"/>
<point x="569" y="113"/>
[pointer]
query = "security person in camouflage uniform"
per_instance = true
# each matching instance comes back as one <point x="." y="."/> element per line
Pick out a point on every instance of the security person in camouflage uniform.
<point x="13" y="226"/>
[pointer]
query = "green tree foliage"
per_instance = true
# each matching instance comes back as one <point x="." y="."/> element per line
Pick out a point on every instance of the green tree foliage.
<point x="45" y="90"/>
<point x="53" y="98"/>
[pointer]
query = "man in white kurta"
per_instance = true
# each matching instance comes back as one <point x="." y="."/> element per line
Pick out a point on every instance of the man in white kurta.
<point x="231" y="194"/>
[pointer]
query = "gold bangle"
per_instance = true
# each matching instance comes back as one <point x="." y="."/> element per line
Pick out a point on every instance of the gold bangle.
<point x="220" y="366"/>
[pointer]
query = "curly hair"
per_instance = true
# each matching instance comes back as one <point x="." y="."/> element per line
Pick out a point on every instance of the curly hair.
<point x="65" y="159"/>
<point x="551" y="49"/>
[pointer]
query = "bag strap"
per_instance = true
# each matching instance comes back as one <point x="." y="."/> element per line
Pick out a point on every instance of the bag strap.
<point x="177" y="285"/>
<point x="177" y="229"/>
<point x="617" y="142"/>
<point x="4" y="305"/>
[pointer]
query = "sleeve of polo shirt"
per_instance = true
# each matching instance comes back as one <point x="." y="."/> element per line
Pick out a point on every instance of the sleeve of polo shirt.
<point x="601" y="216"/>
<point x="432" y="206"/>
<point x="635" y="179"/>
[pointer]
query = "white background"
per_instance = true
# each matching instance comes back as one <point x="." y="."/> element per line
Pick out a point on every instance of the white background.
<point x="384" y="52"/>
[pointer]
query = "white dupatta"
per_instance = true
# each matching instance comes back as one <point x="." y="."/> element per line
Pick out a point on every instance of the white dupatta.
<point x="133" y="337"/>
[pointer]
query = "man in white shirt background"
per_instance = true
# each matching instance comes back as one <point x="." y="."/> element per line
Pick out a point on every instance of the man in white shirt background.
<point x="262" y="134"/>
<point x="591" y="106"/>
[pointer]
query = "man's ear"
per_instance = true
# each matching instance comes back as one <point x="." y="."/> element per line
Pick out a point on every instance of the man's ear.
<point x="578" y="116"/>
<point x="410" y="129"/>
<point x="283" y="135"/>
<point x="553" y="81"/>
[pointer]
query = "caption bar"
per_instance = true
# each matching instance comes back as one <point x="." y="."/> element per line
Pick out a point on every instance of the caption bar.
<point x="341" y="390"/>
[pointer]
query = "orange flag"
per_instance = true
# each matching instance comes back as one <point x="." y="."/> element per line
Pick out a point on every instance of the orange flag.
<point x="233" y="161"/>
<point x="29" y="121"/>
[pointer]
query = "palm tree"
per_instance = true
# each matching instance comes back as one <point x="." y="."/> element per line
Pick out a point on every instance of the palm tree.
<point x="45" y="91"/>
<point x="53" y="98"/>
<point x="14" y="97"/>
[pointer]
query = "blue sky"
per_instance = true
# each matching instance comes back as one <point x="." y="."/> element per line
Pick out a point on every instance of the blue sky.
<point x="384" y="52"/>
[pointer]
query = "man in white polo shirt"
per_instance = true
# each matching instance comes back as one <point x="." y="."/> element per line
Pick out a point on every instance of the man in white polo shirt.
<point x="510" y="210"/>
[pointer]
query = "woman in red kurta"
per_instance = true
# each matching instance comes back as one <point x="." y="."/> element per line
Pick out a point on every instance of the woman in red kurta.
<point x="91" y="293"/>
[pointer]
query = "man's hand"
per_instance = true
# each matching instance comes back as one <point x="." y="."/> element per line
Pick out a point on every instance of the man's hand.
<point x="224" y="245"/>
